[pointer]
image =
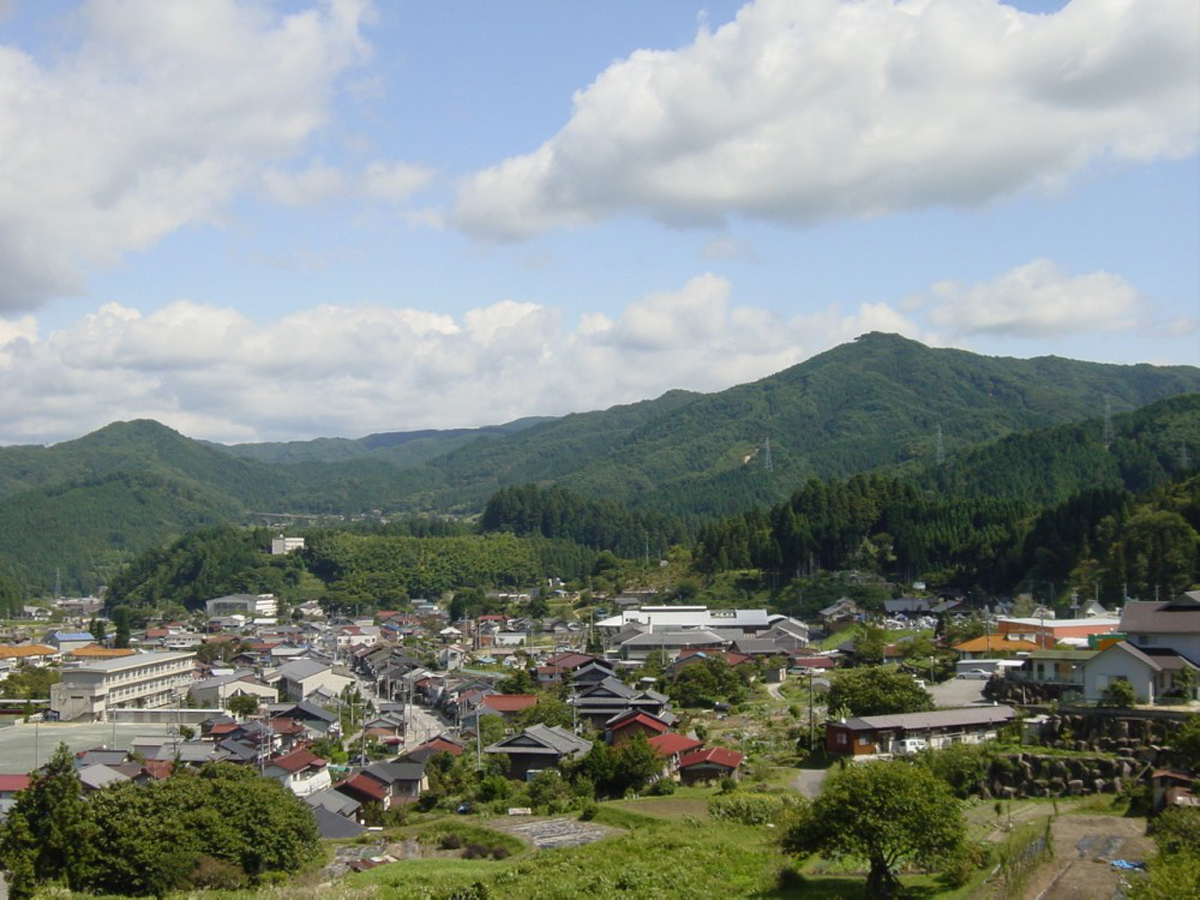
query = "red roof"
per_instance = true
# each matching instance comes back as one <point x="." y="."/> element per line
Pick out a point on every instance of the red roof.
<point x="441" y="745"/>
<point x="365" y="784"/>
<point x="814" y="662"/>
<point x="219" y="728"/>
<point x="648" y="721"/>
<point x="569" y="659"/>
<point x="671" y="743"/>
<point x="13" y="783"/>
<point x="718" y="756"/>
<point x="510" y="702"/>
<point x="158" y="769"/>
<point x="286" y="726"/>
<point x="299" y="759"/>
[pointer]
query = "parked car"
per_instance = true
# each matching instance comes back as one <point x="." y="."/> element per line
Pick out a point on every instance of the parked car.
<point x="976" y="674"/>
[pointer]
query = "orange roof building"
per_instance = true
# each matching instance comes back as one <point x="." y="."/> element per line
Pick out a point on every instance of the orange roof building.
<point x="95" y="651"/>
<point x="26" y="651"/>
<point x="988" y="646"/>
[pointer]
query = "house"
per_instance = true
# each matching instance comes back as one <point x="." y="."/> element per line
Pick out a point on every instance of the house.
<point x="672" y="747"/>
<point x="993" y="646"/>
<point x="404" y="781"/>
<point x="29" y="654"/>
<point x="67" y="641"/>
<point x="600" y="702"/>
<point x="216" y="692"/>
<point x="11" y="785"/>
<point x="430" y="748"/>
<point x="451" y="657"/>
<point x="1172" y="787"/>
<point x="251" y="605"/>
<point x="632" y="723"/>
<point x="506" y="705"/>
<point x="301" y="771"/>
<point x="332" y="826"/>
<point x="670" y="643"/>
<point x="1058" y="667"/>
<point x="539" y="747"/>
<point x="881" y="735"/>
<point x="709" y="765"/>
<point x="319" y="721"/>
<point x="300" y="678"/>
<point x="365" y="789"/>
<point x="1162" y="643"/>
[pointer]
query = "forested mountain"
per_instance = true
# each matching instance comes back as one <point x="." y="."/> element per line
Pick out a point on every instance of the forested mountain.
<point x="400" y="448"/>
<point x="84" y="506"/>
<point x="875" y="402"/>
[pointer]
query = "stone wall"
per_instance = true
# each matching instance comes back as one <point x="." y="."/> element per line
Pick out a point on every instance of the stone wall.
<point x="1039" y="775"/>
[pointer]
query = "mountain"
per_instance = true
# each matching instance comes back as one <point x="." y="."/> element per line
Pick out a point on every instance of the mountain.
<point x="400" y="448"/>
<point x="878" y="402"/>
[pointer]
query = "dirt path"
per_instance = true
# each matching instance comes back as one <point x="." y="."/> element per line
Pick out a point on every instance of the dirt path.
<point x="1084" y="848"/>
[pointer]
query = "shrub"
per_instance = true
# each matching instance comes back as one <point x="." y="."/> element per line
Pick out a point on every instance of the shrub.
<point x="588" y="811"/>
<point x="499" y="852"/>
<point x="728" y="785"/>
<point x="217" y="874"/>
<point x="662" y="788"/>
<point x="476" y="851"/>
<point x="450" y="841"/>
<point x="747" y="808"/>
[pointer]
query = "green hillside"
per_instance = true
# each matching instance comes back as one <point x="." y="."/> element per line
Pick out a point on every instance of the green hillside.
<point x="875" y="402"/>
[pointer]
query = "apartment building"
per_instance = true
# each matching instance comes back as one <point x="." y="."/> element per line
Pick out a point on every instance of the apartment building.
<point x="141" y="681"/>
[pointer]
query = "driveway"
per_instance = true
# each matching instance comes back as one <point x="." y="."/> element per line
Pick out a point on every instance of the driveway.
<point x="957" y="693"/>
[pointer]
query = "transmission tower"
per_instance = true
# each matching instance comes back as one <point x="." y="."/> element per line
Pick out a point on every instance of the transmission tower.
<point x="58" y="584"/>
<point x="1184" y="462"/>
<point x="767" y="464"/>
<point x="1108" y="428"/>
<point x="941" y="447"/>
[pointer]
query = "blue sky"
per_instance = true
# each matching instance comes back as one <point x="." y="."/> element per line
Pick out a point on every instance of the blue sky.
<point x="283" y="220"/>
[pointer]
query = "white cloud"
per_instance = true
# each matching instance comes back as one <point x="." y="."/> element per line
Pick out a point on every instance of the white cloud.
<point x="394" y="181"/>
<point x="1037" y="299"/>
<point x="798" y="112"/>
<point x="165" y="110"/>
<point x="314" y="183"/>
<point x="214" y="373"/>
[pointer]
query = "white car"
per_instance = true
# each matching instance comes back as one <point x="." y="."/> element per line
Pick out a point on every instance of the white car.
<point x="976" y="674"/>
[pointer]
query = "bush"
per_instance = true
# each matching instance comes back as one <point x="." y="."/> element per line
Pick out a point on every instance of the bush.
<point x="748" y="808"/>
<point x="728" y="785"/>
<point x="217" y="874"/>
<point x="450" y="841"/>
<point x="476" y="851"/>
<point x="662" y="788"/>
<point x="588" y="811"/>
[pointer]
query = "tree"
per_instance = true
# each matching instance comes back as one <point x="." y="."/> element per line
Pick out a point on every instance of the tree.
<point x="1120" y="693"/>
<point x="635" y="762"/>
<point x="1186" y="744"/>
<point x="97" y="629"/>
<point x="120" y="619"/>
<point x="243" y="705"/>
<point x="878" y="691"/>
<point x="869" y="646"/>
<point x="890" y="813"/>
<point x="49" y="833"/>
<point x="519" y="682"/>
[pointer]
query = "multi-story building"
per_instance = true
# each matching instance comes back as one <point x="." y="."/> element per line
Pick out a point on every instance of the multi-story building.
<point x="141" y="681"/>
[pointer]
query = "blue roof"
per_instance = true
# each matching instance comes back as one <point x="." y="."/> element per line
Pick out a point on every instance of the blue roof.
<point x="72" y="636"/>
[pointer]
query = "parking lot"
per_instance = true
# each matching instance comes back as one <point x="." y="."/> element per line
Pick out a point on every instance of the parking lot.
<point x="957" y="693"/>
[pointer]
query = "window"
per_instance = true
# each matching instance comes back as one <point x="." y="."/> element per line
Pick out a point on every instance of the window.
<point x="841" y="738"/>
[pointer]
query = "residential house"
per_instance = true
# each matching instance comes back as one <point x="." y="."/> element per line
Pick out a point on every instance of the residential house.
<point x="506" y="706"/>
<point x="712" y="764"/>
<point x="301" y="678"/>
<point x="66" y="641"/>
<point x="632" y="723"/>
<point x="216" y="692"/>
<point x="539" y="747"/>
<point x="1162" y="643"/>
<point x="882" y="735"/>
<point x="301" y="771"/>
<point x="672" y="747"/>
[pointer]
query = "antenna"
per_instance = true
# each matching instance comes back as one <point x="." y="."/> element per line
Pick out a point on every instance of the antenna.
<point x="941" y="447"/>
<point x="768" y="466"/>
<point x="1108" y="426"/>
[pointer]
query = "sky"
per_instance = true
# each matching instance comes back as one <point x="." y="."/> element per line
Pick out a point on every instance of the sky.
<point x="282" y="220"/>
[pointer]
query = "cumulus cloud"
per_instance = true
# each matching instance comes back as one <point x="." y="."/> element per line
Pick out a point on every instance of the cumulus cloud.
<point x="799" y="112"/>
<point x="162" y="112"/>
<point x="1036" y="299"/>
<point x="214" y="373"/>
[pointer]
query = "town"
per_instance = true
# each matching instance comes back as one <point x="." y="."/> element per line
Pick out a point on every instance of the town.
<point x="377" y="722"/>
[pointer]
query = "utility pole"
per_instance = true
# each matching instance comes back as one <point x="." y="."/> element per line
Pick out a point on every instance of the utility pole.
<point x="812" y="725"/>
<point x="941" y="447"/>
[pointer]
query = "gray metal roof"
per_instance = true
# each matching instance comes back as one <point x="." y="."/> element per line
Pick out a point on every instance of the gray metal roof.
<point x="938" y="718"/>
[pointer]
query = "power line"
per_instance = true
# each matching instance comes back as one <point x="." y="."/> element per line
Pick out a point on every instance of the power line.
<point x="767" y="464"/>
<point x="941" y="447"/>
<point x="1108" y="425"/>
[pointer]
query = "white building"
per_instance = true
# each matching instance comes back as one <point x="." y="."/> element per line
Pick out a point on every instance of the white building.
<point x="281" y="546"/>
<point x="141" y="681"/>
<point x="681" y="618"/>
<point x="252" y="605"/>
